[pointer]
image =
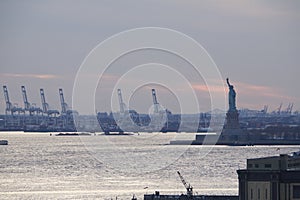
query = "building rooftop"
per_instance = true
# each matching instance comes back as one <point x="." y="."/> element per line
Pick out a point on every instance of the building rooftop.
<point x="282" y="162"/>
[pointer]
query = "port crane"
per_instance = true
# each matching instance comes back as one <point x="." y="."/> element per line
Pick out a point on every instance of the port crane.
<point x="64" y="105"/>
<point x="27" y="106"/>
<point x="279" y="109"/>
<point x="155" y="102"/>
<point x="45" y="105"/>
<point x="121" y="103"/>
<point x="265" y="110"/>
<point x="189" y="188"/>
<point x="9" y="107"/>
<point x="289" y="109"/>
<point x="124" y="110"/>
<point x="8" y="103"/>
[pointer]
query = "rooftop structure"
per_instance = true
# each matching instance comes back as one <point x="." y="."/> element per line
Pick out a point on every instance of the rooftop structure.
<point x="282" y="162"/>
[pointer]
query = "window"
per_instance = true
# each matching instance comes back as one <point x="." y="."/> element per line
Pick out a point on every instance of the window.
<point x="256" y="165"/>
<point x="251" y="194"/>
<point x="268" y="165"/>
<point x="266" y="192"/>
<point x="250" y="165"/>
<point x="296" y="191"/>
<point x="258" y="193"/>
<point x="293" y="165"/>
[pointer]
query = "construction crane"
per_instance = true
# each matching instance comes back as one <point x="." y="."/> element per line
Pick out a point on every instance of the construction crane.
<point x="189" y="188"/>
<point x="27" y="106"/>
<point x="122" y="104"/>
<point x="9" y="107"/>
<point x="155" y="102"/>
<point x="45" y="105"/>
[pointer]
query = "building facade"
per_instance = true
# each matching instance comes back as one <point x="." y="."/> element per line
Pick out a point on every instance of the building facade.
<point x="271" y="178"/>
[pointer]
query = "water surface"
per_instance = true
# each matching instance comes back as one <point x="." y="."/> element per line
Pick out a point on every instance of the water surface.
<point x="40" y="166"/>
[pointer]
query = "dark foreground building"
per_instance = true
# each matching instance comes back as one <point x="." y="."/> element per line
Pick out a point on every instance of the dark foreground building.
<point x="271" y="178"/>
<point x="268" y="178"/>
<point x="158" y="196"/>
<point x="189" y="194"/>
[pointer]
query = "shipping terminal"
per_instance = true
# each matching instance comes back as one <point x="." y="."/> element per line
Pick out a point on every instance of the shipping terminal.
<point x="238" y="127"/>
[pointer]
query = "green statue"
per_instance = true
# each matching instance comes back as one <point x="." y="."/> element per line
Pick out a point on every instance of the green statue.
<point x="231" y="97"/>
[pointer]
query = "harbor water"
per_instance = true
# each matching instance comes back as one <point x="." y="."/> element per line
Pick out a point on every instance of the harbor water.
<point x="44" y="166"/>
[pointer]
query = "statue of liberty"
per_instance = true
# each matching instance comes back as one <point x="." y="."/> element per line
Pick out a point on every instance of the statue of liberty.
<point x="231" y="97"/>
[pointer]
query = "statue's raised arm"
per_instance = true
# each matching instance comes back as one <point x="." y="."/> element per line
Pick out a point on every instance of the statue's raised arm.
<point x="227" y="79"/>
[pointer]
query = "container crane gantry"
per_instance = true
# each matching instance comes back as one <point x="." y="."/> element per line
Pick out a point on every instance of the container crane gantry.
<point x="121" y="103"/>
<point x="45" y="105"/>
<point x="9" y="107"/>
<point x="25" y="99"/>
<point x="265" y="110"/>
<point x="8" y="103"/>
<point x="279" y="109"/>
<point x="289" y="109"/>
<point x="64" y="105"/>
<point x="155" y="102"/>
<point x="27" y="106"/>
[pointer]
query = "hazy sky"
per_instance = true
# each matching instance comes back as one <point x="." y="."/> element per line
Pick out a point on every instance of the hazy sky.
<point x="255" y="43"/>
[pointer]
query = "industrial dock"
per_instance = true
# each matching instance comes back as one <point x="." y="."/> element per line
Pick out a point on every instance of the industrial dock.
<point x="239" y="127"/>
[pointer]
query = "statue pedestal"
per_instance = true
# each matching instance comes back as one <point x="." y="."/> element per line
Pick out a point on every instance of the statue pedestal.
<point x="232" y="133"/>
<point x="232" y="120"/>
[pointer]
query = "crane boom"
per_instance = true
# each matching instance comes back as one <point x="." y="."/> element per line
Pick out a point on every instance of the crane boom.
<point x="44" y="103"/>
<point x="9" y="106"/>
<point x="64" y="105"/>
<point x="62" y="101"/>
<point x="265" y="110"/>
<point x="6" y="96"/>
<point x="189" y="188"/>
<point x="279" y="109"/>
<point x="122" y="104"/>
<point x="291" y="108"/>
<point x="27" y="106"/>
<point x="8" y="103"/>
<point x="24" y="94"/>
<point x="155" y="102"/>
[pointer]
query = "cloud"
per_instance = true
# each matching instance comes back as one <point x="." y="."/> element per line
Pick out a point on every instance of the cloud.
<point x="260" y="90"/>
<point x="204" y="88"/>
<point x="245" y="87"/>
<point x="36" y="76"/>
<point x="246" y="90"/>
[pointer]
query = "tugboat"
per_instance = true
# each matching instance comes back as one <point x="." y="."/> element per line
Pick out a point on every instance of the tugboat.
<point x="3" y="142"/>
